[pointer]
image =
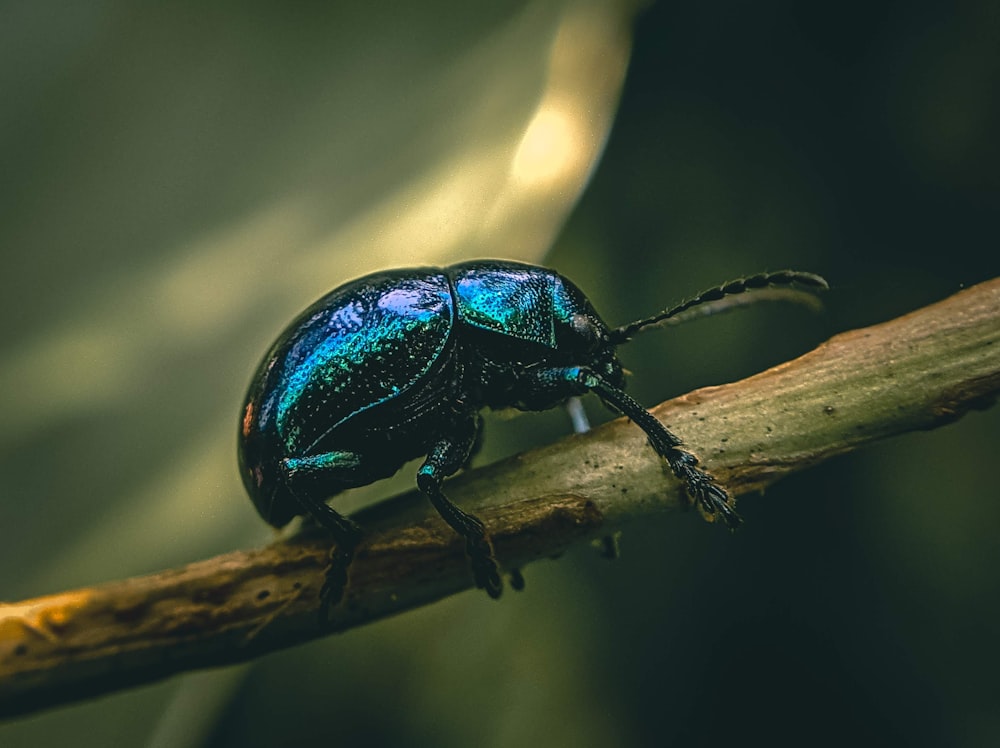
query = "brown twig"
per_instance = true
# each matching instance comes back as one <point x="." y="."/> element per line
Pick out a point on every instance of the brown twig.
<point x="916" y="372"/>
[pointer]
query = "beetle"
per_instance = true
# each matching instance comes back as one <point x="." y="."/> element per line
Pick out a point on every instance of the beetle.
<point x="399" y="364"/>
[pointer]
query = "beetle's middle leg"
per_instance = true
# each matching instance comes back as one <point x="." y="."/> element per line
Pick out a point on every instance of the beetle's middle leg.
<point x="446" y="457"/>
<point x="345" y="531"/>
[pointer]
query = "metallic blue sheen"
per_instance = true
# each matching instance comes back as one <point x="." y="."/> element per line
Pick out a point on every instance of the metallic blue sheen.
<point x="521" y="303"/>
<point x="382" y="366"/>
<point x="399" y="364"/>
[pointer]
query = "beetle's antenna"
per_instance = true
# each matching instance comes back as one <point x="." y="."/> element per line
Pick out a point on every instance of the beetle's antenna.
<point x="809" y="281"/>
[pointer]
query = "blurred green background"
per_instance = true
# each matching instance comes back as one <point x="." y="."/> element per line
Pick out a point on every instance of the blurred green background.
<point x="179" y="182"/>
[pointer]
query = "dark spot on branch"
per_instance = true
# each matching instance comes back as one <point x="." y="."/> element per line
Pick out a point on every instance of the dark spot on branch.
<point x="130" y="613"/>
<point x="213" y="595"/>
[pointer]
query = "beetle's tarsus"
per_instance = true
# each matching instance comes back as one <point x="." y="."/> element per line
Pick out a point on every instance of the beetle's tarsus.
<point x="444" y="459"/>
<point x="700" y="487"/>
<point x="485" y="570"/>
<point x="347" y="534"/>
<point x="335" y="584"/>
<point x="484" y="566"/>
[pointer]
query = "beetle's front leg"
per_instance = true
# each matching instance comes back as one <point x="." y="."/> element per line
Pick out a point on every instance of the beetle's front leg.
<point x="446" y="457"/>
<point x="346" y="532"/>
<point x="699" y="485"/>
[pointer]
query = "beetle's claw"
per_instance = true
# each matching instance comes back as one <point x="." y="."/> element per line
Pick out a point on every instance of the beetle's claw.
<point x="488" y="578"/>
<point x="330" y="596"/>
<point x="729" y="515"/>
<point x="715" y="502"/>
<point x="335" y="583"/>
<point x="484" y="566"/>
<point x="712" y="500"/>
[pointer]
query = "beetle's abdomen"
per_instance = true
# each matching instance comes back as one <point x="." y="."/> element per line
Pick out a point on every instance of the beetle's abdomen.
<point x="355" y="349"/>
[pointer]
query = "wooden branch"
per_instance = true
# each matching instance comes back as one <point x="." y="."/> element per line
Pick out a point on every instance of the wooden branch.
<point x="916" y="372"/>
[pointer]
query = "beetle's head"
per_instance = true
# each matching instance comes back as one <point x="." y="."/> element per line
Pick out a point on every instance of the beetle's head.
<point x="587" y="341"/>
<point x="581" y="336"/>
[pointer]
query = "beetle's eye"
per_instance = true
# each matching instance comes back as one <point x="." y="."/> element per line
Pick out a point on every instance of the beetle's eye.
<point x="586" y="330"/>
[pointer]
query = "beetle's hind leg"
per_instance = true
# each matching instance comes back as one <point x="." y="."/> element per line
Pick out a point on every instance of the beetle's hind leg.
<point x="445" y="457"/>
<point x="345" y="531"/>
<point x="346" y="535"/>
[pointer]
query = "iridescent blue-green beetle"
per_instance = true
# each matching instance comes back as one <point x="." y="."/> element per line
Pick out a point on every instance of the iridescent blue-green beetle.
<point x="398" y="365"/>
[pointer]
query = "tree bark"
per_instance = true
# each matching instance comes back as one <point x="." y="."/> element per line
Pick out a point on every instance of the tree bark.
<point x="920" y="371"/>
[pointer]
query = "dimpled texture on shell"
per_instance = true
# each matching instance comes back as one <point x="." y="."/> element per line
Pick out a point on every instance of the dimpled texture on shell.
<point x="519" y="301"/>
<point x="354" y="349"/>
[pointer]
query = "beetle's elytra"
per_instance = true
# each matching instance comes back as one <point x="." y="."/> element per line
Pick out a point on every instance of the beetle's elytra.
<point x="398" y="365"/>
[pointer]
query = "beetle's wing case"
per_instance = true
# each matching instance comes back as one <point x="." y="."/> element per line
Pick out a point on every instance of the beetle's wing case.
<point x="358" y="347"/>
